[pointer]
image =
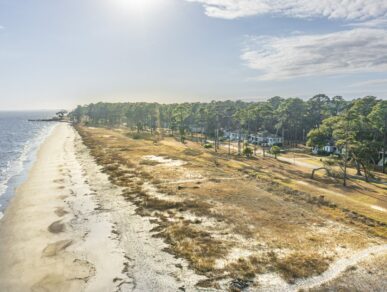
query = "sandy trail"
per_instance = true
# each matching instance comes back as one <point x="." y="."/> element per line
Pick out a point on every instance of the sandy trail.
<point x="271" y="282"/>
<point x="340" y="266"/>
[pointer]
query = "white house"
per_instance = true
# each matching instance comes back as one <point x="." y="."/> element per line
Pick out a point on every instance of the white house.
<point x="274" y="140"/>
<point x="380" y="163"/>
<point x="330" y="149"/>
<point x="257" y="139"/>
<point x="234" y="136"/>
<point x="264" y="138"/>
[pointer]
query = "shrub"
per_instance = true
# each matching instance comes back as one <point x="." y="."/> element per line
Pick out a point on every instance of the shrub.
<point x="208" y="145"/>
<point x="275" y="150"/>
<point x="248" y="151"/>
<point x="141" y="135"/>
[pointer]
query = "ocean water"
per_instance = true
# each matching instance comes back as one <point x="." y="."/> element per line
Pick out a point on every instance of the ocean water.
<point x="19" y="143"/>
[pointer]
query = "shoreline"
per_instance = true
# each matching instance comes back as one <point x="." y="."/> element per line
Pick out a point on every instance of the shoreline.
<point x="26" y="161"/>
<point x="42" y="246"/>
<point x="68" y="228"/>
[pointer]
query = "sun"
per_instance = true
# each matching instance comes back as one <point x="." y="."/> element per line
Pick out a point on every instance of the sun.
<point x="141" y="7"/>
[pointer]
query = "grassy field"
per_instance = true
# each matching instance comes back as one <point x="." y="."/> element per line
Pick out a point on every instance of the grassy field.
<point x="232" y="217"/>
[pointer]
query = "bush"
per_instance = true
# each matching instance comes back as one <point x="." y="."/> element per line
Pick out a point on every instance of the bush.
<point x="208" y="145"/>
<point x="248" y="151"/>
<point x="141" y="135"/>
<point x="275" y="150"/>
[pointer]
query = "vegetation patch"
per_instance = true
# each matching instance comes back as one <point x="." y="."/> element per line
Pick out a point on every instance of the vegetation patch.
<point x="149" y="162"/>
<point x="192" y="152"/>
<point x="141" y="136"/>
<point x="300" y="265"/>
<point x="243" y="202"/>
<point x="197" y="246"/>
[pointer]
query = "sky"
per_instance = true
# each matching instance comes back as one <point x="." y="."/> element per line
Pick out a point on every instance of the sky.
<point x="61" y="53"/>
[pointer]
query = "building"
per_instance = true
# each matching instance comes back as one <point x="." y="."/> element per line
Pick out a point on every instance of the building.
<point x="327" y="149"/>
<point x="380" y="163"/>
<point x="274" y="140"/>
<point x="234" y="136"/>
<point x="265" y="138"/>
<point x="257" y="139"/>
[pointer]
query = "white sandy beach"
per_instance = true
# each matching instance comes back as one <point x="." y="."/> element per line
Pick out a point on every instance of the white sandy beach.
<point x="68" y="229"/>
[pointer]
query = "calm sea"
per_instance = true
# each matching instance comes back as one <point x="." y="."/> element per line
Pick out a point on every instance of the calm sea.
<point x="19" y="142"/>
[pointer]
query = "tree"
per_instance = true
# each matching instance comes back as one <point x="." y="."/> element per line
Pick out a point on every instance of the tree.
<point x="357" y="132"/>
<point x="275" y="150"/>
<point x="247" y="151"/>
<point x="180" y="114"/>
<point x="275" y="101"/>
<point x="291" y="118"/>
<point x="318" y="109"/>
<point x="60" y="114"/>
<point x="319" y="137"/>
<point x="337" y="105"/>
<point x="378" y="118"/>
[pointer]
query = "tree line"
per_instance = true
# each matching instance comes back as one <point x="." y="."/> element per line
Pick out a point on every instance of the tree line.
<point x="358" y="126"/>
<point x="292" y="118"/>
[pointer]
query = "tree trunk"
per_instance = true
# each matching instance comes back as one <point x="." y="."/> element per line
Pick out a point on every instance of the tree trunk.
<point x="365" y="172"/>
<point x="346" y="155"/>
<point x="384" y="145"/>
<point x="239" y="142"/>
<point x="358" y="170"/>
<point x="229" y="145"/>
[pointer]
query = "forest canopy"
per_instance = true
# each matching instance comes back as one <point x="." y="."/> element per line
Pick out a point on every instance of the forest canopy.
<point x="359" y="125"/>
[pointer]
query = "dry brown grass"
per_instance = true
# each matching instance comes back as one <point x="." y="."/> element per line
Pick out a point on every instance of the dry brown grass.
<point x="291" y="267"/>
<point x="192" y="152"/>
<point x="302" y="265"/>
<point x="197" y="246"/>
<point x="149" y="162"/>
<point x="245" y="197"/>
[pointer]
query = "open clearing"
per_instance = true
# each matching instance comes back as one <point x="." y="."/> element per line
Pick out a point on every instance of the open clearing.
<point x="254" y="224"/>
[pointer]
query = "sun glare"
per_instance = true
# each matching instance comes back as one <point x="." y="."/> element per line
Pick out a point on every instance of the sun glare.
<point x="140" y="7"/>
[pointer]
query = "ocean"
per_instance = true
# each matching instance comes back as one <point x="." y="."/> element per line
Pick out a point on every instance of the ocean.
<point x="19" y="143"/>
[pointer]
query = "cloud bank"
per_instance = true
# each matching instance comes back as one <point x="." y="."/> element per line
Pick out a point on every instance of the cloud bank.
<point x="333" y="9"/>
<point x="360" y="48"/>
<point x="353" y="51"/>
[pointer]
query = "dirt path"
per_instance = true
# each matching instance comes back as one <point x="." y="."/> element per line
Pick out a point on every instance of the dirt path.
<point x="338" y="267"/>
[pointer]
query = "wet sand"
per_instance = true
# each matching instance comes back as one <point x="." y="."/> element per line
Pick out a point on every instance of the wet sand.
<point x="42" y="245"/>
<point x="69" y="229"/>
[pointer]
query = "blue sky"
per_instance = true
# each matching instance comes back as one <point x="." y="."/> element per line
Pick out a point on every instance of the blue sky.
<point x="57" y="54"/>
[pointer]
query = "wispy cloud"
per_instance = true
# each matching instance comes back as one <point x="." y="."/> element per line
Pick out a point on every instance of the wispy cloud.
<point x="373" y="23"/>
<point x="360" y="48"/>
<point x="373" y="82"/>
<point x="343" y="52"/>
<point x="334" y="9"/>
